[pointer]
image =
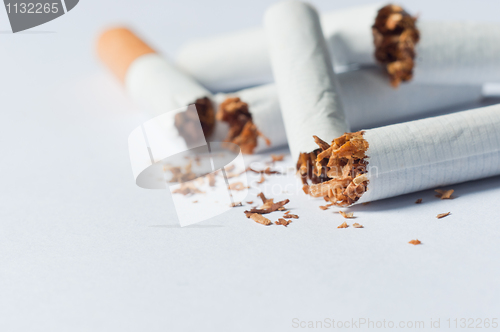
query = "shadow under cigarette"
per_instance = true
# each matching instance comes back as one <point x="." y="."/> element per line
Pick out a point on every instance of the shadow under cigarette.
<point x="462" y="190"/>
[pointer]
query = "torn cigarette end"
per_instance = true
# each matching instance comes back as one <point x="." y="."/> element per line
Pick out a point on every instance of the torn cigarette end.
<point x="395" y="36"/>
<point x="187" y="123"/>
<point x="415" y="242"/>
<point x="337" y="172"/>
<point x="242" y="130"/>
<point x="260" y="219"/>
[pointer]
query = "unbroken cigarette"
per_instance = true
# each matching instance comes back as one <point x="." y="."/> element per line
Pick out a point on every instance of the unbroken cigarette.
<point x="304" y="75"/>
<point x="156" y="83"/>
<point x="446" y="52"/>
<point x="403" y="158"/>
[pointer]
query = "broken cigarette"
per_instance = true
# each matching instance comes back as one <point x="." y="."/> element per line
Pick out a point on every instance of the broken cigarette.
<point x="154" y="82"/>
<point x="241" y="59"/>
<point x="408" y="157"/>
<point x="446" y="53"/>
<point x="368" y="99"/>
<point x="304" y="76"/>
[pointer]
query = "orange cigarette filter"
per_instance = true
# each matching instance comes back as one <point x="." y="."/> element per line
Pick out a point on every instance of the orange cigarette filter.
<point x="118" y="48"/>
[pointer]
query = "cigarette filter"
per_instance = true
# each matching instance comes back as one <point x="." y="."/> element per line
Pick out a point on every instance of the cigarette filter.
<point x="157" y="84"/>
<point x="398" y="159"/>
<point x="446" y="52"/>
<point x="304" y="76"/>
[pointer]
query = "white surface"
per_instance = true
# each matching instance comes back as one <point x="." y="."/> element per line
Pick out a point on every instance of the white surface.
<point x="84" y="249"/>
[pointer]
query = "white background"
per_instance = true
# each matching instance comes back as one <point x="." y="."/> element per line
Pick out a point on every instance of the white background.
<point x="83" y="249"/>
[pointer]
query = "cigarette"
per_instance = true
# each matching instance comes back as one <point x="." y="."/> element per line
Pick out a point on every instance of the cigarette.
<point x="368" y="99"/>
<point x="304" y="76"/>
<point x="446" y="53"/>
<point x="156" y="83"/>
<point x="241" y="59"/>
<point x="408" y="157"/>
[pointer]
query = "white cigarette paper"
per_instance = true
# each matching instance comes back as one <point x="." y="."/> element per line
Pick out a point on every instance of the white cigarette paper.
<point x="241" y="59"/>
<point x="447" y="53"/>
<point x="368" y="99"/>
<point x="160" y="86"/>
<point x="432" y="152"/>
<point x="304" y="75"/>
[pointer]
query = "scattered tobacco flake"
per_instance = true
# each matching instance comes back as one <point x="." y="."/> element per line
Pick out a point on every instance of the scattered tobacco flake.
<point x="242" y="130"/>
<point x="260" y="219"/>
<point x="444" y="194"/>
<point x="418" y="201"/>
<point x="211" y="179"/>
<point x="235" y="204"/>
<point x="283" y="222"/>
<point x="349" y="215"/>
<point x="442" y="215"/>
<point x="344" y="225"/>
<point x="187" y="188"/>
<point x="187" y="122"/>
<point x="323" y="207"/>
<point x="262" y="179"/>
<point x="356" y="225"/>
<point x="289" y="215"/>
<point x="237" y="186"/>
<point x="277" y="157"/>
<point x="180" y="175"/>
<point x="415" y="242"/>
<point x="336" y="172"/>
<point x="266" y="171"/>
<point x="395" y="36"/>
<point x="195" y="201"/>
<point x="250" y="202"/>
<point x="271" y="208"/>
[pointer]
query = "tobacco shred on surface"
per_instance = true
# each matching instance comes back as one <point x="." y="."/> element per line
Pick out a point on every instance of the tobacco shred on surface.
<point x="250" y="202"/>
<point x="283" y="222"/>
<point x="444" y="194"/>
<point x="235" y="204"/>
<point x="187" y="123"/>
<point x="242" y="130"/>
<point x="323" y="207"/>
<point x="343" y="225"/>
<point x="415" y="242"/>
<point x="395" y="36"/>
<point x="260" y="219"/>
<point x="268" y="207"/>
<point x="349" y="215"/>
<point x="336" y="172"/>
<point x="277" y="157"/>
<point x="289" y="215"/>
<point x="356" y="225"/>
<point x="187" y="188"/>
<point x="262" y="179"/>
<point x="442" y="215"/>
<point x="418" y="201"/>
<point x="237" y="186"/>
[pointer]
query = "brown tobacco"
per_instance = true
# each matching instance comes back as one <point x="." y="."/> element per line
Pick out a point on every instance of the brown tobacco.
<point x="187" y="124"/>
<point x="283" y="222"/>
<point x="336" y="172"/>
<point x="395" y="36"/>
<point x="260" y="219"/>
<point x="415" y="242"/>
<point x="242" y="130"/>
